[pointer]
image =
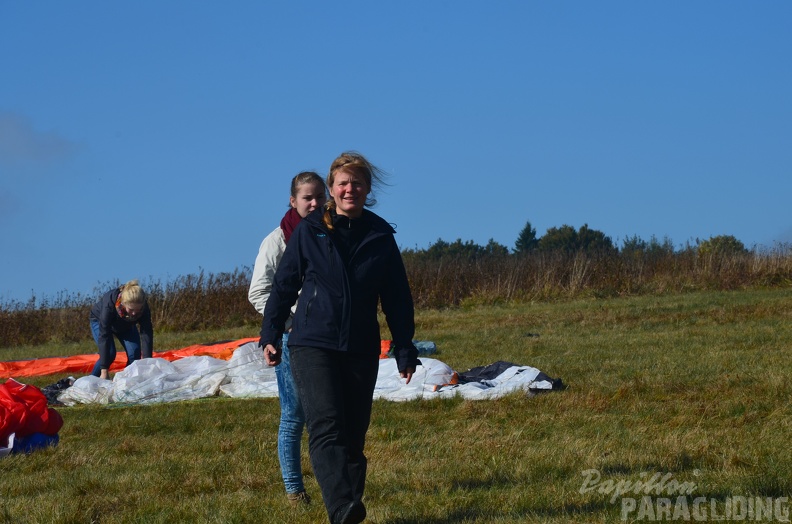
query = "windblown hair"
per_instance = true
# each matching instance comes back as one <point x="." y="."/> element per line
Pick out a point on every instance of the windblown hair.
<point x="353" y="163"/>
<point x="306" y="177"/>
<point x="132" y="293"/>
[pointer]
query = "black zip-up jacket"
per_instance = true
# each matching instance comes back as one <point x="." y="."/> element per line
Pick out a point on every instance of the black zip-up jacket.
<point x="337" y="309"/>
<point x="104" y="311"/>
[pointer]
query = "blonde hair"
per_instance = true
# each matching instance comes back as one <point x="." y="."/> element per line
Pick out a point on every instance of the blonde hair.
<point x="132" y="293"/>
<point x="353" y="163"/>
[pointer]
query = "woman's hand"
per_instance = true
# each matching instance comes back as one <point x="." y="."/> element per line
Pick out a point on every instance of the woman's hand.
<point x="407" y="373"/>
<point x="272" y="355"/>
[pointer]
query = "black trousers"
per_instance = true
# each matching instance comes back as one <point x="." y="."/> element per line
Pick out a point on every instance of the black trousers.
<point x="336" y="390"/>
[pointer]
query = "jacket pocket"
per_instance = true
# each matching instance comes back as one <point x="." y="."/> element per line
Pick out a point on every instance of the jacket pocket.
<point x="309" y="306"/>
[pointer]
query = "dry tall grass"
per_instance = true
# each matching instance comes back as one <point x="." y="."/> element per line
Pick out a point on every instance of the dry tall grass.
<point x="547" y="276"/>
<point x="209" y="301"/>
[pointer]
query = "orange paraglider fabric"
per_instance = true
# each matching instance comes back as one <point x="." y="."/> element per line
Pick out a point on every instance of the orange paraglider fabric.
<point x="85" y="363"/>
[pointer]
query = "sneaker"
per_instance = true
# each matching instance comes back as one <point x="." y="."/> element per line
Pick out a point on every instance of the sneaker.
<point x="299" y="498"/>
<point x="352" y="513"/>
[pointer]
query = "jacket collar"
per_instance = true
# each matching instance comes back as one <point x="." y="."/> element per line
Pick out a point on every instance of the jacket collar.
<point x="378" y="224"/>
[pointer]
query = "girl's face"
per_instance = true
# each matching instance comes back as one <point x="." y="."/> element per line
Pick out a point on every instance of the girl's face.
<point x="349" y="192"/>
<point x="130" y="311"/>
<point x="309" y="196"/>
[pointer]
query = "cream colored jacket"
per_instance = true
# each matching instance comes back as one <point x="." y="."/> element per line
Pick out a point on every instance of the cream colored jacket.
<point x="267" y="260"/>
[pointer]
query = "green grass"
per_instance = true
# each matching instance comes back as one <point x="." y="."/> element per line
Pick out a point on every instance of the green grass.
<point x="694" y="385"/>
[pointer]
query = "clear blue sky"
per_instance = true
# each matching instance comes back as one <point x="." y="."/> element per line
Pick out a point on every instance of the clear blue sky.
<point x="152" y="139"/>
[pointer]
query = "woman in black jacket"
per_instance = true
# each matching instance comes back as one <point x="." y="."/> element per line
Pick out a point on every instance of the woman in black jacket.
<point x="346" y="261"/>
<point x="118" y="313"/>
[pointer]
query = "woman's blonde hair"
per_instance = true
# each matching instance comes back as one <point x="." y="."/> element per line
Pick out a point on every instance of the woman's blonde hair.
<point x="132" y="293"/>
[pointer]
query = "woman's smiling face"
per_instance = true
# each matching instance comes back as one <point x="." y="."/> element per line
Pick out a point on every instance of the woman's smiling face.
<point x="349" y="191"/>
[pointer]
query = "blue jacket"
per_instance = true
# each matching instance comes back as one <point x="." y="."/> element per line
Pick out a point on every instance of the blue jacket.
<point x="337" y="308"/>
<point x="110" y="323"/>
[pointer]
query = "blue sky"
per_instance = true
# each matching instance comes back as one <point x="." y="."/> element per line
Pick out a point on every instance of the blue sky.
<point x="153" y="139"/>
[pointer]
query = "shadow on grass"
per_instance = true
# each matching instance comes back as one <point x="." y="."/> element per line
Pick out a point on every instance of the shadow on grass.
<point x="573" y="512"/>
<point x="479" y="510"/>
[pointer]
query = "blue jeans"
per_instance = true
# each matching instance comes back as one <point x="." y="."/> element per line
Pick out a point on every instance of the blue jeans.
<point x="336" y="388"/>
<point x="292" y="421"/>
<point x="130" y="340"/>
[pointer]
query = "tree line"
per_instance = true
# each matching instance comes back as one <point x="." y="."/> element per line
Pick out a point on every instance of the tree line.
<point x="567" y="239"/>
<point x="565" y="263"/>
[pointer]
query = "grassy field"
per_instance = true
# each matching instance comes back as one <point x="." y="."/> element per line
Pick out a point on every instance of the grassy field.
<point x="691" y="387"/>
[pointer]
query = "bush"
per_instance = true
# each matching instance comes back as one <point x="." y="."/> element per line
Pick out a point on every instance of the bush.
<point x="445" y="275"/>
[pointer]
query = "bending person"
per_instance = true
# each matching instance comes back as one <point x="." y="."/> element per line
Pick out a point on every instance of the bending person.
<point x="119" y="313"/>
<point x="307" y="193"/>
<point x="343" y="260"/>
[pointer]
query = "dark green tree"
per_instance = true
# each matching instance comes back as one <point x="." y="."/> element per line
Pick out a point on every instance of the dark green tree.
<point x="636" y="246"/>
<point x="493" y="248"/>
<point x="722" y="245"/>
<point x="562" y="238"/>
<point x="657" y="248"/>
<point x="565" y="238"/>
<point x="526" y="241"/>
<point x="457" y="249"/>
<point x="594" y="241"/>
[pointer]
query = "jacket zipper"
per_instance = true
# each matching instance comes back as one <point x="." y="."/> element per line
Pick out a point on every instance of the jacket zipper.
<point x="308" y="306"/>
